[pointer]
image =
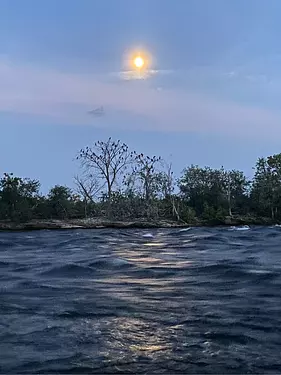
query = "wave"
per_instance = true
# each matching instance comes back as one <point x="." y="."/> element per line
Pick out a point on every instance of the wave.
<point x="112" y="301"/>
<point x="68" y="270"/>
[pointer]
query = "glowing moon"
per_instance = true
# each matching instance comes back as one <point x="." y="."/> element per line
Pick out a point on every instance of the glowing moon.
<point x="139" y="62"/>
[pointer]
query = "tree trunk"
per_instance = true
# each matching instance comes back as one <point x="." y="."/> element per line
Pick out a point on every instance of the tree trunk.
<point x="85" y="208"/>
<point x="229" y="197"/>
<point x="109" y="206"/>
<point x="175" y="211"/>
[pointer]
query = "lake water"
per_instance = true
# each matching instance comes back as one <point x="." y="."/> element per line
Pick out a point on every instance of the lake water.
<point x="141" y="301"/>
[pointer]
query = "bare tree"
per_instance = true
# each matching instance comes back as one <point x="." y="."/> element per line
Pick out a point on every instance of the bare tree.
<point x="169" y="189"/>
<point x="145" y="170"/>
<point x="108" y="160"/>
<point x="146" y="174"/>
<point x="87" y="186"/>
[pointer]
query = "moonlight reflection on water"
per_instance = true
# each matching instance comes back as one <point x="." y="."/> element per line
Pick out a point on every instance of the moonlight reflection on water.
<point x="206" y="300"/>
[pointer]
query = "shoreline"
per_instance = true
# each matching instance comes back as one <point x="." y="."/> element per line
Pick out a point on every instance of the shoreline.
<point x="96" y="223"/>
<point x="88" y="224"/>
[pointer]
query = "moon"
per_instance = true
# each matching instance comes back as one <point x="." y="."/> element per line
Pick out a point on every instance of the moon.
<point x="139" y="62"/>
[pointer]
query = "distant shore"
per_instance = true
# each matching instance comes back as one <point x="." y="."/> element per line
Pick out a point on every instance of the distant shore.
<point x="98" y="223"/>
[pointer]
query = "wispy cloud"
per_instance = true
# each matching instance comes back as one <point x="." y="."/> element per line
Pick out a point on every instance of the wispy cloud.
<point x="66" y="98"/>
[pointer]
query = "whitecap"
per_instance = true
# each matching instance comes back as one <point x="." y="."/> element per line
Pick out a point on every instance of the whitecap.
<point x="147" y="235"/>
<point x="244" y="227"/>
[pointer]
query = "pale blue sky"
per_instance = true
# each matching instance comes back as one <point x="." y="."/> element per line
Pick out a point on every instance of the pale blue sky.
<point x="214" y="100"/>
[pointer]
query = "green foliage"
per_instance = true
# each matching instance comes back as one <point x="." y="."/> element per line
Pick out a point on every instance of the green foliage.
<point x="60" y="202"/>
<point x="209" y="212"/>
<point x="138" y="186"/>
<point x="18" y="197"/>
<point x="208" y="190"/>
<point x="266" y="190"/>
<point x="187" y="213"/>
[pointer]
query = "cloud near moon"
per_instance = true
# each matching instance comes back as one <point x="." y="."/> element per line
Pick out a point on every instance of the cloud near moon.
<point x="67" y="97"/>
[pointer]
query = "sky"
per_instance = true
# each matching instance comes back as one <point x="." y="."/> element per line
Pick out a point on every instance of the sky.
<point x="212" y="95"/>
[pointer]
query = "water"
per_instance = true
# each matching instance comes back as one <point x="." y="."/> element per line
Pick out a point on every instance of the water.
<point x="139" y="301"/>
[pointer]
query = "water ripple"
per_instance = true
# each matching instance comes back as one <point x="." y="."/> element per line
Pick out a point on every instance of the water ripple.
<point x="202" y="300"/>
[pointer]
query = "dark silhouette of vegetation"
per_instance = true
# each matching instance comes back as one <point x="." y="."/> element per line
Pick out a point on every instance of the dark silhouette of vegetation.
<point x="107" y="160"/>
<point x="119" y="184"/>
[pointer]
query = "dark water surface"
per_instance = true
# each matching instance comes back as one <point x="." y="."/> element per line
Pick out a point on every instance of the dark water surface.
<point x="114" y="301"/>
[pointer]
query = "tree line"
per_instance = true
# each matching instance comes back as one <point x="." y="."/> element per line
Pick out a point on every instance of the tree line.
<point x="120" y="184"/>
